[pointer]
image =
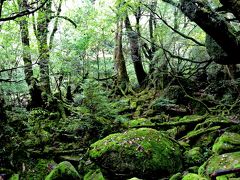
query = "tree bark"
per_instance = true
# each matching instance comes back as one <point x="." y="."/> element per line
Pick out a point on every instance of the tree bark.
<point x="25" y="44"/>
<point x="152" y="24"/>
<point x="135" y="53"/>
<point x="122" y="77"/>
<point x="214" y="25"/>
<point x="2" y="110"/>
<point x="41" y="31"/>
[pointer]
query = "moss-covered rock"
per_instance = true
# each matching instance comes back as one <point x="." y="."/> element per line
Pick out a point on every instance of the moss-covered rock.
<point x="94" y="174"/>
<point x="177" y="176"/>
<point x="138" y="122"/>
<point x="228" y="142"/>
<point x="194" y="156"/>
<point x="141" y="153"/>
<point x="15" y="177"/>
<point x="220" y="162"/>
<point x="191" y="176"/>
<point x="63" y="171"/>
<point x="37" y="169"/>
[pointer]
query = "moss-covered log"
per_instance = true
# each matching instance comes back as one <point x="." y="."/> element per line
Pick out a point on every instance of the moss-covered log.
<point x="167" y="125"/>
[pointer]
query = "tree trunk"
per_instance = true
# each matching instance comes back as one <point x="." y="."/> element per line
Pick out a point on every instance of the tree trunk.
<point x="35" y="92"/>
<point x="135" y="53"/>
<point x="152" y="49"/>
<point x="43" y="21"/>
<point x="2" y="110"/>
<point x="214" y="25"/>
<point x="25" y="54"/>
<point x="122" y="77"/>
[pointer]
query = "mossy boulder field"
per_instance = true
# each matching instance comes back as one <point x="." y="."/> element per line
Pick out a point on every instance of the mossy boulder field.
<point x="143" y="153"/>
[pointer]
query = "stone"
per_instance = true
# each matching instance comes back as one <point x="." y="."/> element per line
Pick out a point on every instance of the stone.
<point x="228" y="142"/>
<point x="141" y="153"/>
<point x="220" y="162"/>
<point x="63" y="171"/>
<point x="194" y="156"/>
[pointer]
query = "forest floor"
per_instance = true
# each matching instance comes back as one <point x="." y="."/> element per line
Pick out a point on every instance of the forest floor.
<point x="145" y="135"/>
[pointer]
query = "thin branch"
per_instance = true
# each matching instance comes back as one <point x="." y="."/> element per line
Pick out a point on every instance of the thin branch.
<point x="174" y="30"/>
<point x="55" y="25"/>
<point x="185" y="59"/>
<point x="19" y="67"/>
<point x="67" y="19"/>
<point x="224" y="172"/>
<point x="22" y="13"/>
<point x="11" y="81"/>
<point x="176" y="56"/>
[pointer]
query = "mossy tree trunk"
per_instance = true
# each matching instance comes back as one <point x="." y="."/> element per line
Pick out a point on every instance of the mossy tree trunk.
<point x="35" y="91"/>
<point x="25" y="43"/>
<point x="2" y="110"/>
<point x="122" y="76"/>
<point x="133" y="37"/>
<point x="152" y="25"/>
<point x="41" y="32"/>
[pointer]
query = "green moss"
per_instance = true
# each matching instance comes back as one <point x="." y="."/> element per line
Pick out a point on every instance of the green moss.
<point x="15" y="177"/>
<point x="133" y="104"/>
<point x="193" y="156"/>
<point x="140" y="151"/>
<point x="228" y="142"/>
<point x="36" y="169"/>
<point x="191" y="176"/>
<point x="190" y="118"/>
<point x="177" y="176"/>
<point x="94" y="174"/>
<point x="64" y="171"/>
<point x="138" y="122"/>
<point x="217" y="162"/>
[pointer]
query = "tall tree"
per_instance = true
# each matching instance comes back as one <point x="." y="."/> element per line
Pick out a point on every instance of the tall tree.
<point x="41" y="31"/>
<point x="150" y="50"/>
<point x="25" y="43"/>
<point x="122" y="76"/>
<point x="133" y="37"/>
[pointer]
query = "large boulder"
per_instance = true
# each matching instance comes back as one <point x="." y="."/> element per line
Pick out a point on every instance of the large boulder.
<point x="220" y="162"/>
<point x="142" y="153"/>
<point x="228" y="142"/>
<point x="63" y="171"/>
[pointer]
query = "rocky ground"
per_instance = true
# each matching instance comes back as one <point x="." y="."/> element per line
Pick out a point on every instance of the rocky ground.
<point x="148" y="137"/>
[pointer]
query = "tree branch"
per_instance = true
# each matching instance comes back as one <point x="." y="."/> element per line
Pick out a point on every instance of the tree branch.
<point x="67" y="19"/>
<point x="22" y="13"/>
<point x="174" y="30"/>
<point x="224" y="172"/>
<point x="55" y="25"/>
